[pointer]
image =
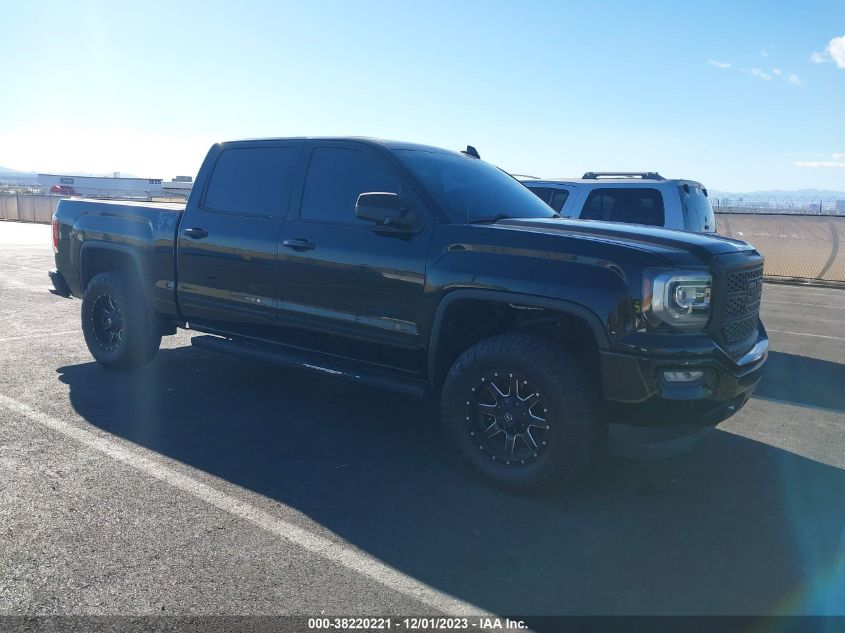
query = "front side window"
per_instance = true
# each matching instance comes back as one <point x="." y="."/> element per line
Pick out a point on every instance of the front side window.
<point x="336" y="177"/>
<point x="253" y="181"/>
<point x="618" y="204"/>
<point x="552" y="196"/>
<point x="544" y="193"/>
<point x="471" y="190"/>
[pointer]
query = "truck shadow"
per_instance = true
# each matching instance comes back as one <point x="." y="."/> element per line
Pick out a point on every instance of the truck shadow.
<point x="735" y="527"/>
<point x="803" y="380"/>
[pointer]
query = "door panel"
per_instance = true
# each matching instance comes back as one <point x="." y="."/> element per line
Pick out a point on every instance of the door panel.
<point x="355" y="281"/>
<point x="228" y="242"/>
<point x="227" y="280"/>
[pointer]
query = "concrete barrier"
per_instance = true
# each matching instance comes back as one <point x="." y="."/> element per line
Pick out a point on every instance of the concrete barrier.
<point x="28" y="208"/>
<point x="9" y="208"/>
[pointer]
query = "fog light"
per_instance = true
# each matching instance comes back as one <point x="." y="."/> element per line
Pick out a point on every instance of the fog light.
<point x="682" y="376"/>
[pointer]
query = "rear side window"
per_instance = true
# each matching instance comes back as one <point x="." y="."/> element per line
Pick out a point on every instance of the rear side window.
<point x="336" y="177"/>
<point x="252" y="181"/>
<point x="698" y="214"/>
<point x="618" y="204"/>
<point x="553" y="197"/>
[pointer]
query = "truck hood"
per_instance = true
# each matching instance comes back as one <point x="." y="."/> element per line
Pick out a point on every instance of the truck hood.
<point x="667" y="242"/>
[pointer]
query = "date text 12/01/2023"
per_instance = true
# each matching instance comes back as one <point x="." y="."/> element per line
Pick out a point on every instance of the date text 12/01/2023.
<point x="415" y="623"/>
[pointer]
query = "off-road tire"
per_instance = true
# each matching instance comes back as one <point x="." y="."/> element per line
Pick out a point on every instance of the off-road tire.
<point x="138" y="341"/>
<point x="568" y="397"/>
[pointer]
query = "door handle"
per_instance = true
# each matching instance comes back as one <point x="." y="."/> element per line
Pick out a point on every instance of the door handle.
<point x="196" y="233"/>
<point x="299" y="244"/>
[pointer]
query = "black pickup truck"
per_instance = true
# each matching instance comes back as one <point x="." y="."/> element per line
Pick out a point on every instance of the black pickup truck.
<point x="429" y="272"/>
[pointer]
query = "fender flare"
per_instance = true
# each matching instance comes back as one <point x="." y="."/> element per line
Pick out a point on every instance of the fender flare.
<point x="559" y="305"/>
<point x="124" y="249"/>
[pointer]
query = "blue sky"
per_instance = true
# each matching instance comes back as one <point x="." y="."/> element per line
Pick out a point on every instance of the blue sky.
<point x="740" y="95"/>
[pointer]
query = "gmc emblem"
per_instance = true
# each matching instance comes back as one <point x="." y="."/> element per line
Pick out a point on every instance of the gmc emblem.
<point x="755" y="291"/>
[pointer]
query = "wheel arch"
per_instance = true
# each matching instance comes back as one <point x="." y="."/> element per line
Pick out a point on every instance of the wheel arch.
<point x="99" y="256"/>
<point x="440" y="353"/>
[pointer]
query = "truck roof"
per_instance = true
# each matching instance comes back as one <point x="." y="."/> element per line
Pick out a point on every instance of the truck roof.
<point x="391" y="144"/>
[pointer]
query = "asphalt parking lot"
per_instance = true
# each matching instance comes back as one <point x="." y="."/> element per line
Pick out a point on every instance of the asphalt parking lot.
<point x="214" y="485"/>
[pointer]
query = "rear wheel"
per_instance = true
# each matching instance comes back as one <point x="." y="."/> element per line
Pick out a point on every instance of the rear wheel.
<point x="520" y="411"/>
<point x="116" y="322"/>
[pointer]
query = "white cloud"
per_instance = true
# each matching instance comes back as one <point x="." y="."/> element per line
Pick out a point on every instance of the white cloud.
<point x="838" y="156"/>
<point x="758" y="72"/>
<point x="833" y="52"/>
<point x="836" y="50"/>
<point x="764" y="53"/>
<point x="824" y="164"/>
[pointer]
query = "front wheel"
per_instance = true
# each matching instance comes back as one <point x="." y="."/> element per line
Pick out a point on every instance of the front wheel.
<point x="520" y="411"/>
<point x="116" y="322"/>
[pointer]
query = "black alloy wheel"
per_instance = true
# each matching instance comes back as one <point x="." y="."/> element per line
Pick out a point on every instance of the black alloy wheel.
<point x="508" y="416"/>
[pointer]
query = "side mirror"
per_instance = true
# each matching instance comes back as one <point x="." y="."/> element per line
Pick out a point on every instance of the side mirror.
<point x="385" y="209"/>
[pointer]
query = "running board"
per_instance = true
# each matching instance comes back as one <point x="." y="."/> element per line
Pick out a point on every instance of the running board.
<point x="317" y="363"/>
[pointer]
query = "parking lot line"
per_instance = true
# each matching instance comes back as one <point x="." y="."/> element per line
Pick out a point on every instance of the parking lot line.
<point x="37" y="270"/>
<point x="38" y="335"/>
<point x="337" y="553"/>
<point x="836" y="338"/>
<point x="815" y="305"/>
<point x="769" y="288"/>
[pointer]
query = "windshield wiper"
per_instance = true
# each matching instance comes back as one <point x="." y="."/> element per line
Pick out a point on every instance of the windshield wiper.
<point x="491" y="219"/>
<point x="505" y="216"/>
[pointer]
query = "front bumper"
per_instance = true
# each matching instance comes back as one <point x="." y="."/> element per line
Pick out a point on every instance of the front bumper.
<point x="637" y="394"/>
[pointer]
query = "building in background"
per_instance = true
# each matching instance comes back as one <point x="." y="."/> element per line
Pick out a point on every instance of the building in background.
<point x="180" y="186"/>
<point x="115" y="186"/>
<point x="101" y="186"/>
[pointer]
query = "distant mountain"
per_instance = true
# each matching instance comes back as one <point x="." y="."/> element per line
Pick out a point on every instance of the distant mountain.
<point x="8" y="174"/>
<point x="780" y="194"/>
<point x="5" y="171"/>
<point x="12" y="176"/>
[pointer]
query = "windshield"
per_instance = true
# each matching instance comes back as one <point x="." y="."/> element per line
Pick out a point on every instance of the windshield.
<point x="471" y="190"/>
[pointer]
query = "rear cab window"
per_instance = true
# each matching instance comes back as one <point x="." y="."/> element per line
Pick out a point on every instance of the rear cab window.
<point x="252" y="181"/>
<point x="634" y="205"/>
<point x="698" y="213"/>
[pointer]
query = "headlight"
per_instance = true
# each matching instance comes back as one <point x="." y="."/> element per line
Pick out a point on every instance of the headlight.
<point x="679" y="299"/>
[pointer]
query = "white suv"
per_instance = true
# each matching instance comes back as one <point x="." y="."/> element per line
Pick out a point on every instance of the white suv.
<point x="634" y="197"/>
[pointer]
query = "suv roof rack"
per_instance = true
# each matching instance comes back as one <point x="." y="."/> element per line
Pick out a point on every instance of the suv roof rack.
<point x="595" y="175"/>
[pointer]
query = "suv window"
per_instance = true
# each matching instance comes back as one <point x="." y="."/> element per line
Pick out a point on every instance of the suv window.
<point x="252" y="181"/>
<point x="552" y="196"/>
<point x="698" y="214"/>
<point x="618" y="204"/>
<point x="336" y="177"/>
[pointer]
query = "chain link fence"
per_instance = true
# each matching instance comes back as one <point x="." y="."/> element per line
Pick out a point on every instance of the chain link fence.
<point x="795" y="246"/>
<point x="799" y="205"/>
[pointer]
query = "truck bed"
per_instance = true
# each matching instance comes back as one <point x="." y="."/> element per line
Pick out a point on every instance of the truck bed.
<point x="143" y="232"/>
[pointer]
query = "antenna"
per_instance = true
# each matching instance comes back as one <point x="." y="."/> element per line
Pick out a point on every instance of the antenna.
<point x="471" y="151"/>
